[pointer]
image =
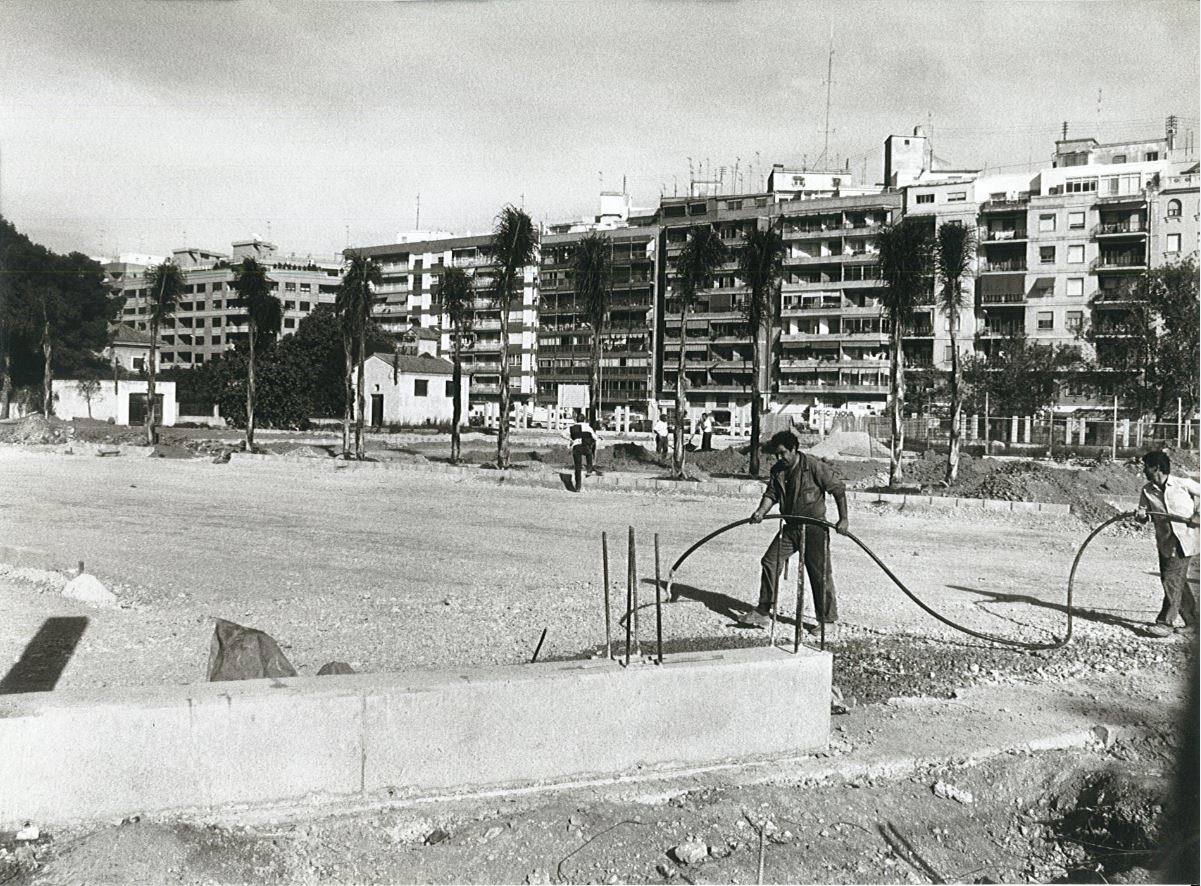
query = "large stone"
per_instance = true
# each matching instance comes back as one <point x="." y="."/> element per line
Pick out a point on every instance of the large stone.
<point x="88" y="589"/>
<point x="238" y="653"/>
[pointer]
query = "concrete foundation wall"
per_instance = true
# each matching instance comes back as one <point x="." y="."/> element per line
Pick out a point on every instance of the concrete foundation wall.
<point x="83" y="755"/>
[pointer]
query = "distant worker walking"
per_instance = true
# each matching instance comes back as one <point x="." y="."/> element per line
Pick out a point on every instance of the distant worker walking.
<point x="583" y="450"/>
<point x="662" y="432"/>
<point x="799" y="484"/>
<point x="1178" y="544"/>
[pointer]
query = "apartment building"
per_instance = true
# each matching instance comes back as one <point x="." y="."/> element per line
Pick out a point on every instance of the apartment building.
<point x="407" y="297"/>
<point x="627" y="342"/>
<point x="207" y="320"/>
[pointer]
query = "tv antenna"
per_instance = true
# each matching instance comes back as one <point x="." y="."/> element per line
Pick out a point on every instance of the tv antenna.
<point x="829" y="83"/>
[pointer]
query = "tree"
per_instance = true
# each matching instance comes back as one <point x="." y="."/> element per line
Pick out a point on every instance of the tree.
<point x="905" y="263"/>
<point x="1152" y="345"/>
<point x="953" y="252"/>
<point x="456" y="295"/>
<point x="264" y="316"/>
<point x="514" y="245"/>
<point x="702" y="254"/>
<point x="1020" y="377"/>
<point x="88" y="386"/>
<point x="164" y="284"/>
<point x="761" y="266"/>
<point x="353" y="305"/>
<point x="591" y="275"/>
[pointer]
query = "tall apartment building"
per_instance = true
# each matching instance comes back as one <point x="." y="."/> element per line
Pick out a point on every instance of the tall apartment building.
<point x="207" y="320"/>
<point x="564" y="331"/>
<point x="408" y="297"/>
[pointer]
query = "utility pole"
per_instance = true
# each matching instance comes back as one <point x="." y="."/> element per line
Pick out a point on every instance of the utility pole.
<point x="829" y="84"/>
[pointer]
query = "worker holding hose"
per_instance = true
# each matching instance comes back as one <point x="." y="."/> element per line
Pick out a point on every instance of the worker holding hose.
<point x="799" y="484"/>
<point x="1178" y="543"/>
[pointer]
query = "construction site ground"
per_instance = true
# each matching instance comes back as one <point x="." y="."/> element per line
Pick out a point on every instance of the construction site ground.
<point x="396" y="570"/>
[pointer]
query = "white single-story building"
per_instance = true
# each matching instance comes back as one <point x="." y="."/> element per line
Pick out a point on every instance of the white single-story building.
<point x="128" y="347"/>
<point x="123" y="401"/>
<point x="404" y="389"/>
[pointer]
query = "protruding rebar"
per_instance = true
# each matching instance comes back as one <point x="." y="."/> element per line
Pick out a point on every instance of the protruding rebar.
<point x="608" y="613"/>
<point x="821" y="618"/>
<point x="800" y="592"/>
<point x="538" y="648"/>
<point x="658" y="603"/>
<point x="629" y="593"/>
<point x="634" y="585"/>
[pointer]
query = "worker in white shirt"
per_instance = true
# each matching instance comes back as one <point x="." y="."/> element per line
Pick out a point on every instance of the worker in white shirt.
<point x="1178" y="543"/>
<point x="583" y="450"/>
<point x="661" y="434"/>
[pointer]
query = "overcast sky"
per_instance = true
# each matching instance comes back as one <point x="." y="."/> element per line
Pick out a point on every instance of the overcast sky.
<point x="139" y="126"/>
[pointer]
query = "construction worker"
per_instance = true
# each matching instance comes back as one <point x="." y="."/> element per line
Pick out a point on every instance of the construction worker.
<point x="583" y="450"/>
<point x="706" y="432"/>
<point x="799" y="484"/>
<point x="1178" y="543"/>
<point x="662" y="432"/>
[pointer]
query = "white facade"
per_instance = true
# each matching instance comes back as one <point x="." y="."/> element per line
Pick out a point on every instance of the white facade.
<point x="110" y="400"/>
<point x="411" y="390"/>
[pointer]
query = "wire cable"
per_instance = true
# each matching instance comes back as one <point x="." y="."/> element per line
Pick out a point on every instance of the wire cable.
<point x="1058" y="643"/>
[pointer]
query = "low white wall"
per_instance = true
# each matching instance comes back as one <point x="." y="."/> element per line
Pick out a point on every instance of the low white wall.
<point x="85" y="755"/>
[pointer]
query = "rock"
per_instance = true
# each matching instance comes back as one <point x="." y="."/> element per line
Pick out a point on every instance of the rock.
<point x="950" y="792"/>
<point x="238" y="653"/>
<point x="492" y="833"/>
<point x="28" y="833"/>
<point x="88" y="589"/>
<point x="664" y="871"/>
<point x="411" y="831"/>
<point x="537" y="875"/>
<point x="437" y="835"/>
<point x="691" y="852"/>
<point x="334" y="668"/>
<point x="1106" y="735"/>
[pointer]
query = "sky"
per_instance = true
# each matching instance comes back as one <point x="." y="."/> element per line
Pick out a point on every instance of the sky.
<point x="146" y="126"/>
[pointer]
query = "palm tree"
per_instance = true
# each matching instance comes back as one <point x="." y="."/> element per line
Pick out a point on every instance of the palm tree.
<point x="456" y="293"/>
<point x="953" y="254"/>
<point x="761" y="265"/>
<point x="592" y="271"/>
<point x="264" y="315"/>
<point x="904" y="250"/>
<point x="353" y="306"/>
<point x="702" y="254"/>
<point x="164" y="284"/>
<point x="514" y="245"/>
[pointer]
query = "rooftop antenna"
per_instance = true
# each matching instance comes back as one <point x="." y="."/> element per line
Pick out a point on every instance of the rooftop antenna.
<point x="1098" y="110"/>
<point x="829" y="84"/>
<point x="417" y="222"/>
<point x="737" y="186"/>
<point x="1065" y="130"/>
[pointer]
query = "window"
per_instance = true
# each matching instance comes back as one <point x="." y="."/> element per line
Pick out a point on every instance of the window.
<point x="450" y="388"/>
<point x="1173" y="209"/>
<point x="1075" y="221"/>
<point x="1080" y="185"/>
<point x="304" y="306"/>
<point x="421" y="387"/>
<point x="1075" y="286"/>
<point x="1076" y="255"/>
<point x="1152" y="155"/>
<point x="218" y="286"/>
<point x="1119" y="158"/>
<point x="289" y="306"/>
<point x="217" y="303"/>
<point x="1075" y="321"/>
<point x="306" y="287"/>
<point x="289" y="323"/>
<point x="290" y="287"/>
<point x="1046" y="255"/>
<point x="139" y="363"/>
<point x="1046" y="320"/>
<point x="956" y="196"/>
<point x="925" y="198"/>
<point x="1173" y="243"/>
<point x="948" y="353"/>
<point x="216" y="321"/>
<point x="1046" y="221"/>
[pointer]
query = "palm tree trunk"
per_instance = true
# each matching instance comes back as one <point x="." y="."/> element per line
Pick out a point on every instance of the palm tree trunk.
<point x="456" y="400"/>
<point x="756" y="396"/>
<point x="348" y="392"/>
<point x="151" y="433"/>
<point x="250" y="389"/>
<point x="6" y="379"/>
<point x="47" y="373"/>
<point x="897" y="392"/>
<point x="360" y="398"/>
<point x="953" y="451"/>
<point x="594" y="379"/>
<point x="502" y="434"/>
<point x="678" y="454"/>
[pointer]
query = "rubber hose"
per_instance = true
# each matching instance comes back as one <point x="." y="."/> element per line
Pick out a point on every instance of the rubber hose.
<point x="992" y="638"/>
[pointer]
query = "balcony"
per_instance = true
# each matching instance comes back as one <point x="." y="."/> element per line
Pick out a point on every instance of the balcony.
<point x="1016" y="204"/>
<point x="1002" y="298"/>
<point x="1110" y="230"/>
<point x="922" y="331"/>
<point x="826" y="305"/>
<point x="1119" y="261"/>
<point x="1113" y="298"/>
<point x="791" y="388"/>
<point x="1002" y="267"/>
<point x="1121" y="199"/>
<point x="1002" y="330"/>
<point x="1003" y="235"/>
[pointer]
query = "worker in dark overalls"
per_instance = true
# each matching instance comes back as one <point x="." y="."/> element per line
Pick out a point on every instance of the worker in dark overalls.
<point x="583" y="450"/>
<point x="799" y="484"/>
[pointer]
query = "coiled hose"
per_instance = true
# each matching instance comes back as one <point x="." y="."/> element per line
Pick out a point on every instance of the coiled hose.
<point x="992" y="638"/>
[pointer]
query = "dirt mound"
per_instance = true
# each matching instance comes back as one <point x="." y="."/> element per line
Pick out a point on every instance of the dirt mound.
<point x="171" y="450"/>
<point x="95" y="431"/>
<point x="859" y="444"/>
<point x="726" y="462"/>
<point x="37" y="429"/>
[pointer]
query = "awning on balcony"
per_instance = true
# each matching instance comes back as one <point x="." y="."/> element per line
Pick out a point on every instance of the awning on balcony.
<point x="1043" y="283"/>
<point x="1002" y="284"/>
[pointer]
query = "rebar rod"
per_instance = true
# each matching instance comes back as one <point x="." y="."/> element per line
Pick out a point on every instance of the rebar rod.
<point x="658" y="605"/>
<point x="800" y="593"/>
<point x="608" y="613"/>
<point x="634" y="585"/>
<point x="629" y="594"/>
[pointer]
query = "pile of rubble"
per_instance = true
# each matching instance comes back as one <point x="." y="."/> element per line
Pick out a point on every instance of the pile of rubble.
<point x="38" y="430"/>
